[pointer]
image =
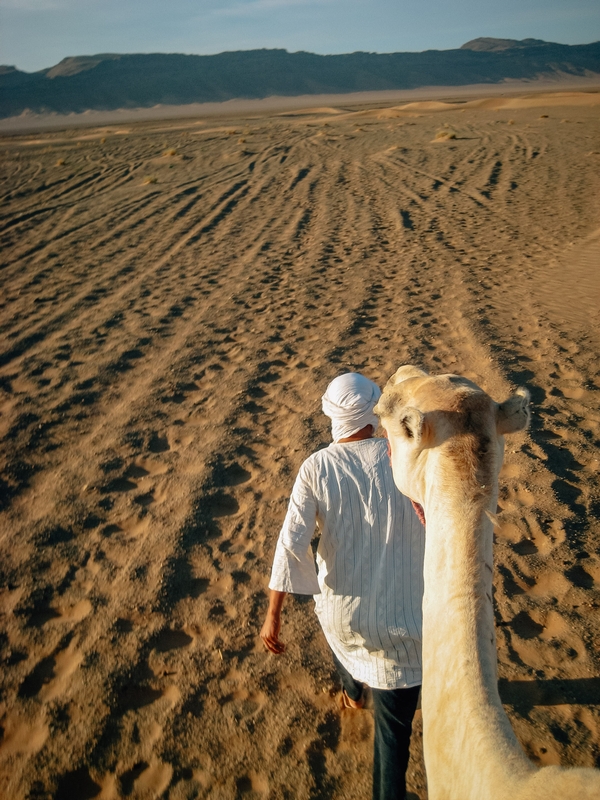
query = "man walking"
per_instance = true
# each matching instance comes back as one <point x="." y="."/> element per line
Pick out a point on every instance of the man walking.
<point x="368" y="580"/>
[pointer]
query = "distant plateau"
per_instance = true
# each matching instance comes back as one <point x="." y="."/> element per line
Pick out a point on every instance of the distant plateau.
<point x="108" y="82"/>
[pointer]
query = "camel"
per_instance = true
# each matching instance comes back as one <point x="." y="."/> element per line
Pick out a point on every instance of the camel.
<point x="446" y="440"/>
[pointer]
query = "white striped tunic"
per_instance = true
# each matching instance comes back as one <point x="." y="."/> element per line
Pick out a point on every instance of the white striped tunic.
<point x="369" y="587"/>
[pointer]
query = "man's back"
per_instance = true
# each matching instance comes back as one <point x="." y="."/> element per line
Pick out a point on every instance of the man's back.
<point x="369" y="559"/>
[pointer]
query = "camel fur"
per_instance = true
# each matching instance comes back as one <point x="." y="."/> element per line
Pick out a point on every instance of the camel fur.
<point x="447" y="444"/>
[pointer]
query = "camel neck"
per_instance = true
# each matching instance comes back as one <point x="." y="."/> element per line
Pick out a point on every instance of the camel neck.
<point x="459" y="644"/>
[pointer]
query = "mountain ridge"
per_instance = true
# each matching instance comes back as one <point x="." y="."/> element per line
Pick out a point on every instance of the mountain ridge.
<point x="491" y="45"/>
<point x="108" y="81"/>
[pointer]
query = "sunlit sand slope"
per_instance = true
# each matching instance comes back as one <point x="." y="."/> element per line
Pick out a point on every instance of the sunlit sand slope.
<point x="175" y="297"/>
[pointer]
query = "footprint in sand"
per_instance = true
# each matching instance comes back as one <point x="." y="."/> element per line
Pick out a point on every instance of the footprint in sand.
<point x="572" y="392"/>
<point x="235" y="475"/>
<point x="79" y="783"/>
<point x="580" y="577"/>
<point x="549" y="585"/>
<point x="119" y="485"/>
<point x="221" y="505"/>
<point x="134" y="526"/>
<point x="169" y="639"/>
<point x="158" y="444"/>
<point x="514" y="499"/>
<point x="140" y="474"/>
<point x="50" y="676"/>
<point x="543" y="648"/>
<point x="533" y="539"/>
<point x="592" y="567"/>
<point x="544" y="755"/>
<point x="525" y="627"/>
<point x="74" y="613"/>
<point x="510" y="471"/>
<point x="512" y="586"/>
<point x="146" y="779"/>
<point x="239" y="701"/>
<point x="134" y="696"/>
<point x="21" y="736"/>
<point x="153" y="780"/>
<point x="220" y="613"/>
<point x="221" y="588"/>
<point x="555" y="627"/>
<point x="145" y="500"/>
<point x="65" y="664"/>
<point x="45" y="614"/>
<point x="253" y="784"/>
<point x="142" y="468"/>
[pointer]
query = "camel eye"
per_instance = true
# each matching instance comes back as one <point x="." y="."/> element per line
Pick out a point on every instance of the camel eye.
<point x="407" y="428"/>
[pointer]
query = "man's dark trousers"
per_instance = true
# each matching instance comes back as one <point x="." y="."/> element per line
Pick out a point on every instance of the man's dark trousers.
<point x="393" y="712"/>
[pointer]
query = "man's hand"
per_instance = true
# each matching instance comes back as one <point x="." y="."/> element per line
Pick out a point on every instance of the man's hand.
<point x="272" y="625"/>
<point x="270" y="635"/>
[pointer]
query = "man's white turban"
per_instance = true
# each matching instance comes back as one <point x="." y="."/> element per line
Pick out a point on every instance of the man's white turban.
<point x="349" y="402"/>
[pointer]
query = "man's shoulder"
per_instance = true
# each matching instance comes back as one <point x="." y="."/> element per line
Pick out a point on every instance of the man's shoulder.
<point x="379" y="443"/>
<point x="316" y="459"/>
<point x="364" y="451"/>
<point x="369" y="449"/>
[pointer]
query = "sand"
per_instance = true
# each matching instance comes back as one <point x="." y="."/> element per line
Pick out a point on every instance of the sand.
<point x="36" y="121"/>
<point x="175" y="297"/>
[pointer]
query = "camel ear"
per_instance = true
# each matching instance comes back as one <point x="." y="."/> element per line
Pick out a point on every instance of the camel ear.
<point x="514" y="414"/>
<point x="403" y="373"/>
<point x="411" y="423"/>
<point x="400" y="420"/>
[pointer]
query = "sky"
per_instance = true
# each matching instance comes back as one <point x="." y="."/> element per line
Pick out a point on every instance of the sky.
<point x="35" y="34"/>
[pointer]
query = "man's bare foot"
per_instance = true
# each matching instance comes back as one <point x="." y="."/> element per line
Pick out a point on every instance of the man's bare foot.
<point x="353" y="704"/>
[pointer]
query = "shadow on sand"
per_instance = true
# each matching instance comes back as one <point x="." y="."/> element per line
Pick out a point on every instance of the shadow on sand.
<point x="524" y="695"/>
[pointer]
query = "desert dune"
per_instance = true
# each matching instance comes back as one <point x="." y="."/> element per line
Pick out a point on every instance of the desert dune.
<point x="175" y="297"/>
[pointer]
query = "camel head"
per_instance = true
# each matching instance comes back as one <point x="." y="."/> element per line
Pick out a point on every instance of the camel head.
<point x="445" y="427"/>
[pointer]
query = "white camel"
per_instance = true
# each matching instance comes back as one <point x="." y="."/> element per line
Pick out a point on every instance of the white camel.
<point x="447" y="445"/>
